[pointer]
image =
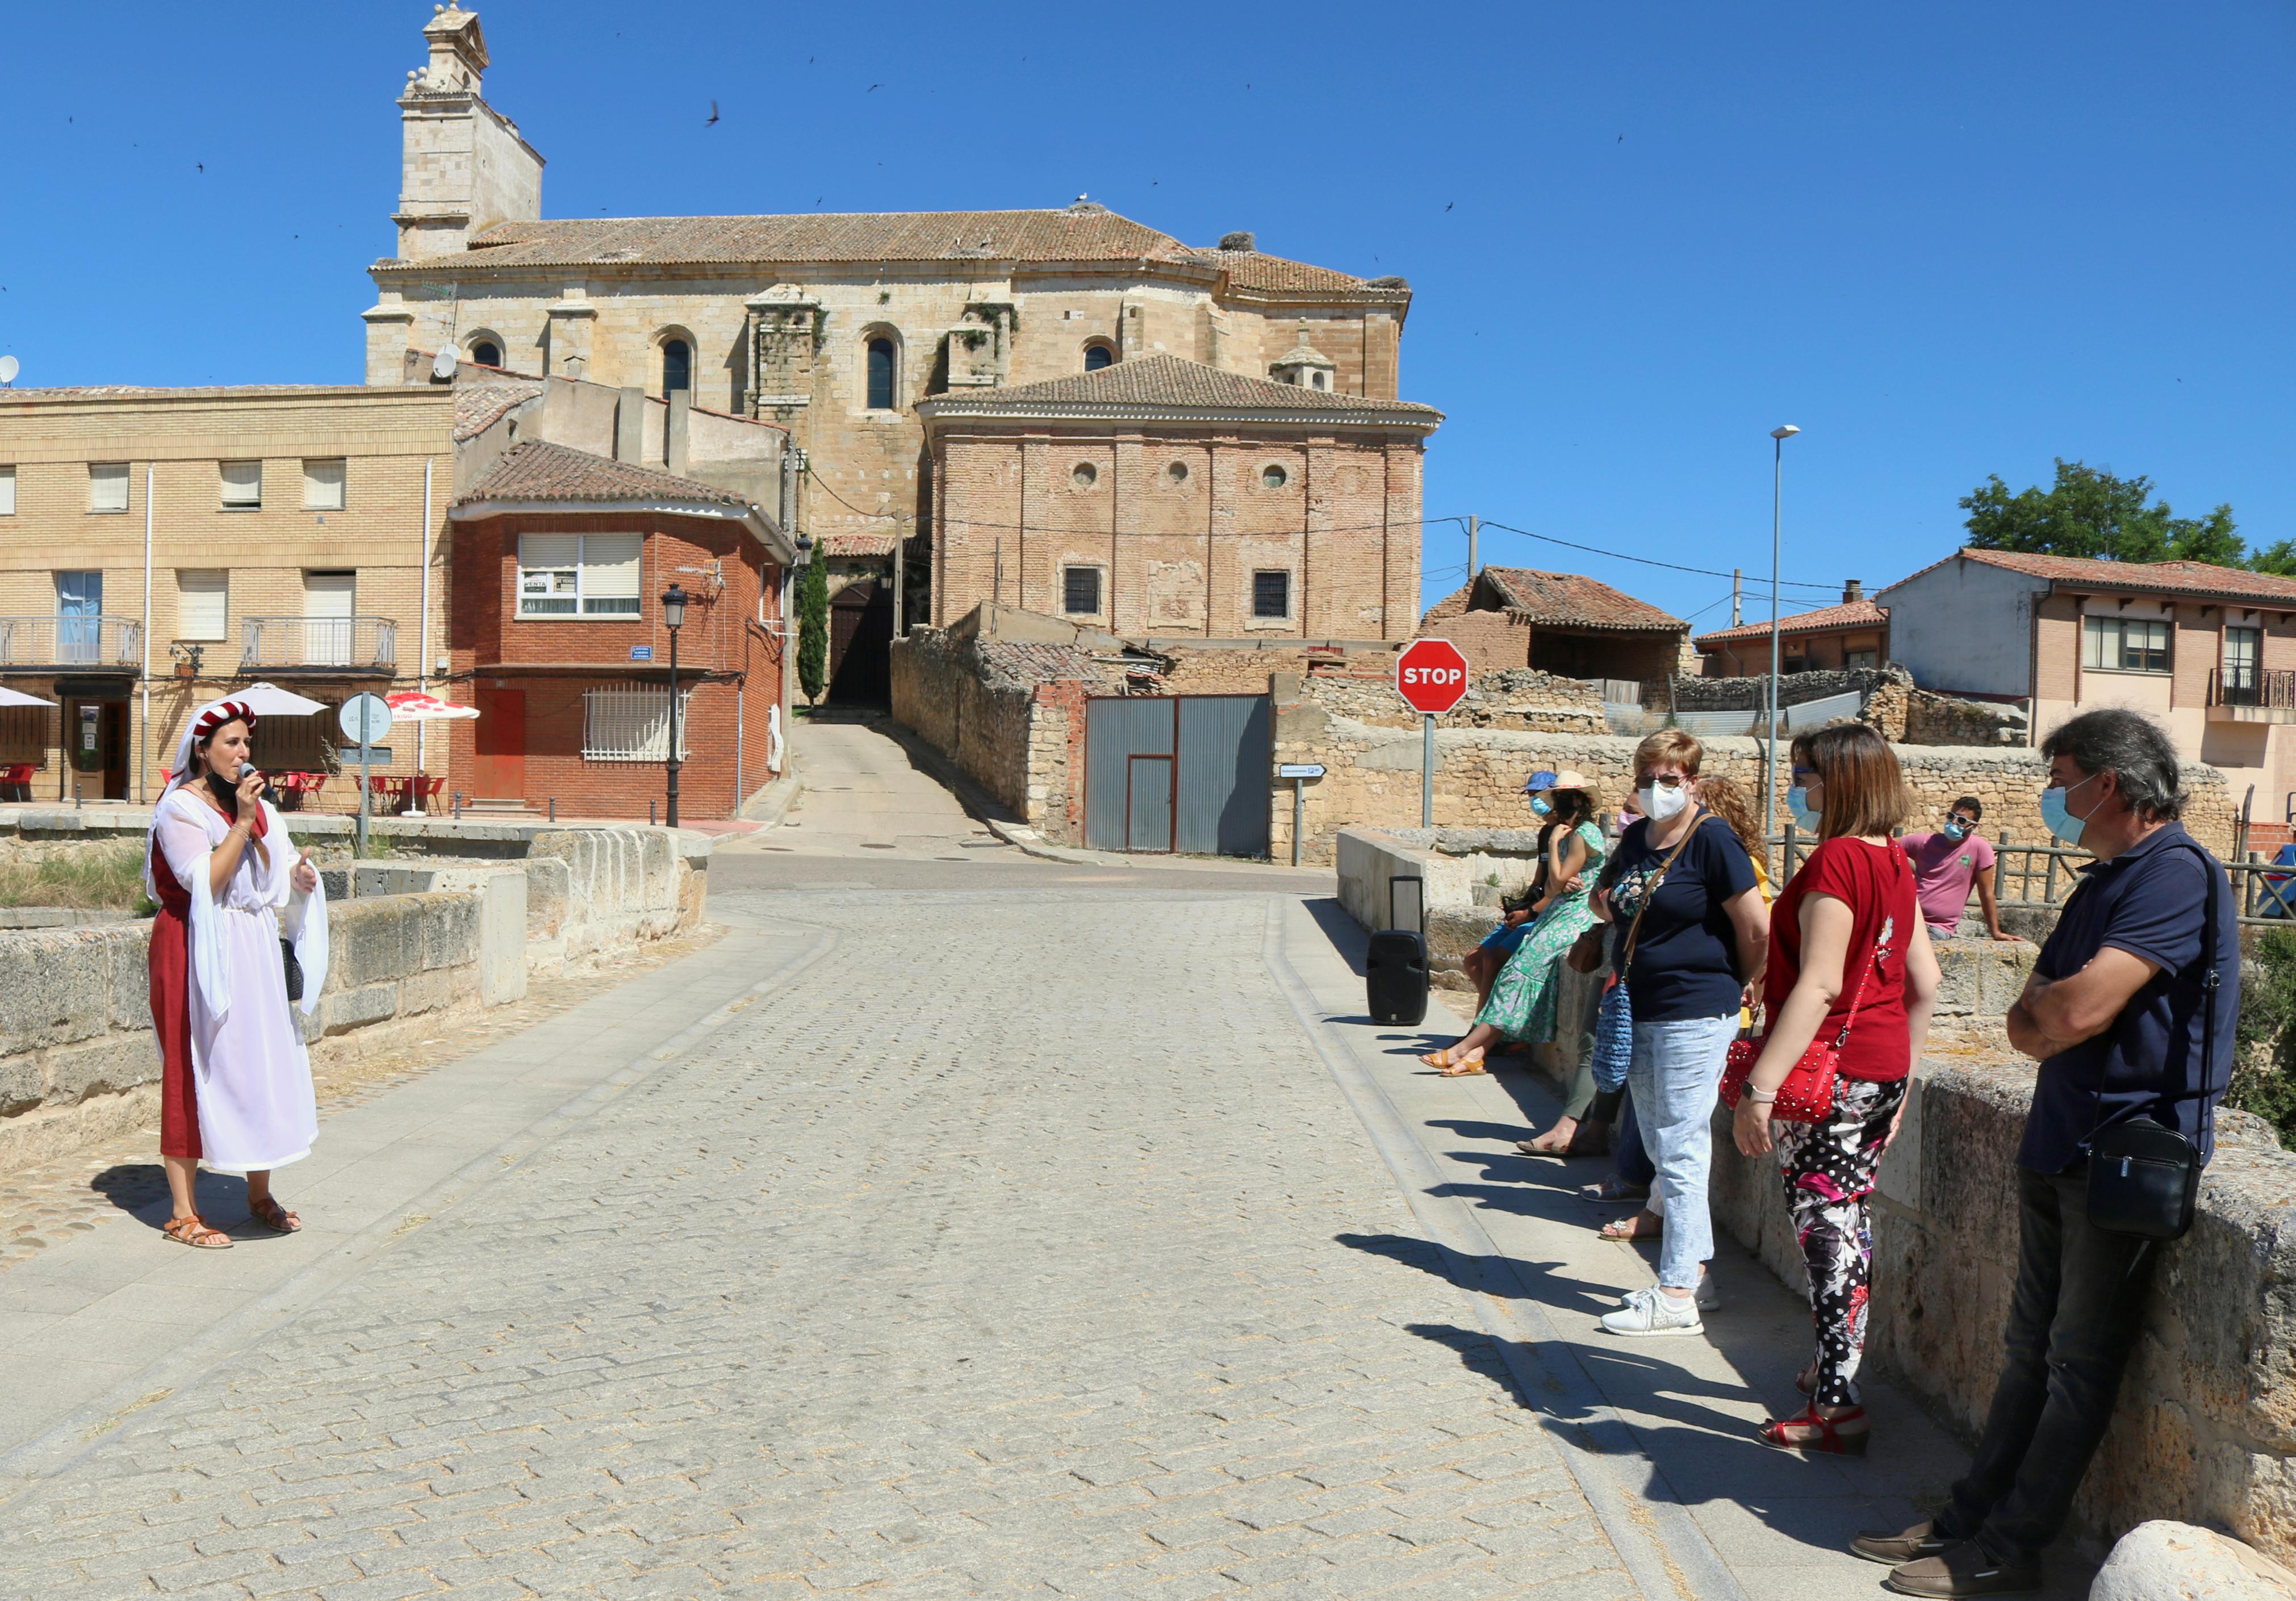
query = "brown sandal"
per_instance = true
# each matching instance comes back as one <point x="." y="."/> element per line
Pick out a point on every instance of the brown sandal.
<point x="1630" y="1229"/>
<point x="273" y="1216"/>
<point x="193" y="1231"/>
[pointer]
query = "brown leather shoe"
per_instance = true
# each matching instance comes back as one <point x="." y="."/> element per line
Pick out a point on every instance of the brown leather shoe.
<point x="1877" y="1545"/>
<point x="1963" y="1570"/>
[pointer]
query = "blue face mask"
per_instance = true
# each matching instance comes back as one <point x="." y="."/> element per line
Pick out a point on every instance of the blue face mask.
<point x="1956" y="830"/>
<point x="2057" y="813"/>
<point x="1542" y="805"/>
<point x="1798" y="803"/>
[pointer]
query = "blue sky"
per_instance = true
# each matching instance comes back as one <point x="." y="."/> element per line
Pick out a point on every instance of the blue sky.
<point x="1945" y="240"/>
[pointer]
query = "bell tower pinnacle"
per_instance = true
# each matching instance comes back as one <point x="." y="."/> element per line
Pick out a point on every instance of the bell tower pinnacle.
<point x="464" y="167"/>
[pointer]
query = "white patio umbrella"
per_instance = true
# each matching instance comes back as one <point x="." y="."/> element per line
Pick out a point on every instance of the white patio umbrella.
<point x="268" y="700"/>
<point x="17" y="697"/>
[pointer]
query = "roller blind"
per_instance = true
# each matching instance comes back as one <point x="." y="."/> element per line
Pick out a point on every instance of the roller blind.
<point x="323" y="486"/>
<point x="609" y="574"/>
<point x="107" y="486"/>
<point x="242" y="483"/>
<point x="202" y="603"/>
<point x="7" y="491"/>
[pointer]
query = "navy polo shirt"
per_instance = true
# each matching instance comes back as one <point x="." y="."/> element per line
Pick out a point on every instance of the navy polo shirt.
<point x="2150" y="902"/>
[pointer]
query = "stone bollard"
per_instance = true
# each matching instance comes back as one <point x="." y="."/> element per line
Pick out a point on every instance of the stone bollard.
<point x="2164" y="1560"/>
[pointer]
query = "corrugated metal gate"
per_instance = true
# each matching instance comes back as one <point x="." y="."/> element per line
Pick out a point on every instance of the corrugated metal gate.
<point x="1186" y="773"/>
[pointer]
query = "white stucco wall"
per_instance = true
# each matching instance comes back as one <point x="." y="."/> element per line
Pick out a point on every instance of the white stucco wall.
<point x="1964" y="628"/>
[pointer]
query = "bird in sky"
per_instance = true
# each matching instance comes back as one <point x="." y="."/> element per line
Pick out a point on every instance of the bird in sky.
<point x="203" y="166"/>
<point x="1448" y="207"/>
<point x="713" y="115"/>
<point x="873" y="89"/>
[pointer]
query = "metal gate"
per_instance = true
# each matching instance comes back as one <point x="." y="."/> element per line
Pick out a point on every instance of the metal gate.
<point x="1186" y="773"/>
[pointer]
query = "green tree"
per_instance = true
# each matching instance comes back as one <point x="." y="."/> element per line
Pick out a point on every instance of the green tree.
<point x="813" y="629"/>
<point x="2091" y="513"/>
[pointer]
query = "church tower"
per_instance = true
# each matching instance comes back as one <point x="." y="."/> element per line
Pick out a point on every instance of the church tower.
<point x="465" y="169"/>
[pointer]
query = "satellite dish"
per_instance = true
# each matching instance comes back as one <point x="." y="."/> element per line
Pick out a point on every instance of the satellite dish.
<point x="7" y="369"/>
<point x="443" y="365"/>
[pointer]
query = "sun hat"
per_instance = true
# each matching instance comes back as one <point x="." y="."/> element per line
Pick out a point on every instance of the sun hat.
<point x="1548" y="778"/>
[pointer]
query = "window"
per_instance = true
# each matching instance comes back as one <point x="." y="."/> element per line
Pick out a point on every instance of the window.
<point x="323" y="486"/>
<point x="586" y="575"/>
<point x="1271" y="595"/>
<point x="330" y="618"/>
<point x="486" y="353"/>
<point x="242" y="485"/>
<point x="881" y="374"/>
<point x="677" y="367"/>
<point x="202" y="601"/>
<point x="1084" y="475"/>
<point x="7" y="491"/>
<point x="1861" y="658"/>
<point x="2243" y="649"/>
<point x="1273" y="477"/>
<point x="633" y="725"/>
<point x="1177" y="472"/>
<point x="1081" y="591"/>
<point x="2128" y="645"/>
<point x="107" y="486"/>
<point x="79" y="616"/>
<point x="1097" y="356"/>
<point x="1320" y="380"/>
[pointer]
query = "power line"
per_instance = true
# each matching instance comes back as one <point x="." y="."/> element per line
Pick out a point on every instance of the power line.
<point x="1647" y="562"/>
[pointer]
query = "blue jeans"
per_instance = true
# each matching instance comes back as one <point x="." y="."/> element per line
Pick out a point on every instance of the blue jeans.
<point x="1672" y="1078"/>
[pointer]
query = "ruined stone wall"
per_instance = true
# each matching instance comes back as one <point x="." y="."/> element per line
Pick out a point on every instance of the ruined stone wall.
<point x="1941" y="720"/>
<point x="1519" y="697"/>
<point x="1011" y="716"/>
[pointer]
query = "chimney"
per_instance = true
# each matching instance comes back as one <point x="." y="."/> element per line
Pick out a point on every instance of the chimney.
<point x="1852" y="591"/>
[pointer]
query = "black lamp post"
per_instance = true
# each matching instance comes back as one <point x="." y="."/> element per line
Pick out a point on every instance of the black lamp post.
<point x="673" y="617"/>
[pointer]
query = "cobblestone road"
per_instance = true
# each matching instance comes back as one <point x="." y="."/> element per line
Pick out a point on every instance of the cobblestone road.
<point x="997" y="1254"/>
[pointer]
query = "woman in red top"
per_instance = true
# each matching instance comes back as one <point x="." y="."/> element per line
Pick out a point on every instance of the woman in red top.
<point x="1849" y="963"/>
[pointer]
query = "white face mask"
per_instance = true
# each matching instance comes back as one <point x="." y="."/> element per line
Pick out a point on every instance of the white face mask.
<point x="1659" y="802"/>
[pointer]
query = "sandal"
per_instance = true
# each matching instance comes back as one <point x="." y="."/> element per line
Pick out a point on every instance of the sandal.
<point x="193" y="1231"/>
<point x="1540" y="1146"/>
<point x="1831" y="1438"/>
<point x="1641" y="1226"/>
<point x="1466" y="1067"/>
<point x="273" y="1216"/>
<point x="1613" y="1190"/>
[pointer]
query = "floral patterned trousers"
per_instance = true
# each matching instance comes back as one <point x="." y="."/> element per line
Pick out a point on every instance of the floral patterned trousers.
<point x="1829" y="1170"/>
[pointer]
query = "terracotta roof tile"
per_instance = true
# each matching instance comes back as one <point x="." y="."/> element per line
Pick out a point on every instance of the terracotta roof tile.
<point x="1168" y="382"/>
<point x="1850" y="614"/>
<point x="856" y="545"/>
<point x="1250" y="269"/>
<point x="478" y="406"/>
<point x="1571" y="599"/>
<point x="2175" y="578"/>
<point x="534" y="471"/>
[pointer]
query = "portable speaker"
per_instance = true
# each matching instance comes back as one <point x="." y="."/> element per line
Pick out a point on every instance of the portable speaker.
<point x="1395" y="978"/>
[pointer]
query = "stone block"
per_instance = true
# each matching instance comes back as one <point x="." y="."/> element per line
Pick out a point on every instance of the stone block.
<point x="106" y="1066"/>
<point x="130" y="956"/>
<point x="364" y="942"/>
<point x="349" y="1009"/>
<point x="436" y="990"/>
<point x="58" y="989"/>
<point x="22" y="1086"/>
<point x="445" y="926"/>
<point x="2162" y="1559"/>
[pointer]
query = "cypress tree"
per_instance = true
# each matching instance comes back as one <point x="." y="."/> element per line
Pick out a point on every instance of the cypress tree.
<point x="813" y="629"/>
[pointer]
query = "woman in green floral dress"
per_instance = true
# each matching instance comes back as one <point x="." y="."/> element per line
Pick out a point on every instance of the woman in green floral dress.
<point x="1521" y="1005"/>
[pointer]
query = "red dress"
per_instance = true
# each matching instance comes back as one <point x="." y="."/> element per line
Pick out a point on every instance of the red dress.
<point x="171" y="1012"/>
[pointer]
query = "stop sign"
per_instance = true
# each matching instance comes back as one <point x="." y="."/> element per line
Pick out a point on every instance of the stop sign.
<point x="1431" y="675"/>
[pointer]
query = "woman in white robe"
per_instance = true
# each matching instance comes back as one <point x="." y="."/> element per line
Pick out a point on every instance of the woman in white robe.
<point x="236" y="1089"/>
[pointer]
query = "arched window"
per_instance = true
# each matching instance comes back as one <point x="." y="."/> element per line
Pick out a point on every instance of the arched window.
<point x="486" y="353"/>
<point x="676" y="365"/>
<point x="1097" y="356"/>
<point x="881" y="374"/>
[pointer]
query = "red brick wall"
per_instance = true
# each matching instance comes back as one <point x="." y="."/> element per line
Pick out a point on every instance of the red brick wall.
<point x="722" y="649"/>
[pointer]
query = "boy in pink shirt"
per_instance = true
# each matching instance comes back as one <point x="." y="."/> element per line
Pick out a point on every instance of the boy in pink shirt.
<point x="1947" y="863"/>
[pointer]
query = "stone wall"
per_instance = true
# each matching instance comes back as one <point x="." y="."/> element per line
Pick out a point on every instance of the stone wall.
<point x="1520" y="697"/>
<point x="1941" y="720"/>
<point x="1371" y="778"/>
<point x="1746" y="693"/>
<point x="1011" y="715"/>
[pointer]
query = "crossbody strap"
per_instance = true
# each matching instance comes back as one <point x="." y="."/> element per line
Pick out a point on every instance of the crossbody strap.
<point x="1873" y="960"/>
<point x="1650" y="892"/>
<point x="2210" y="981"/>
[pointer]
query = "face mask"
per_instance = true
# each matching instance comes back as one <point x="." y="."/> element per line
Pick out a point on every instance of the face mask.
<point x="1658" y="803"/>
<point x="1540" y="806"/>
<point x="1798" y="803"/>
<point x="2057" y="814"/>
<point x="1956" y="830"/>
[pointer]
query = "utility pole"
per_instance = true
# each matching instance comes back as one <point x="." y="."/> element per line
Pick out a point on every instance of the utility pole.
<point x="1474" y="558"/>
<point x="1737" y="596"/>
<point x="997" y="593"/>
<point x="1778" y="437"/>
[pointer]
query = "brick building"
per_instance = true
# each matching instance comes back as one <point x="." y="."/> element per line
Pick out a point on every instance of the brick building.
<point x="161" y="547"/>
<point x="1164" y="498"/>
<point x="560" y="558"/>
<point x="1558" y="622"/>
<point x="834" y="325"/>
<point x="1854" y="634"/>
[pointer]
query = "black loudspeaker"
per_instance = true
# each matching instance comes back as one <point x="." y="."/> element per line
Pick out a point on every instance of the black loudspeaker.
<point x="1395" y="978"/>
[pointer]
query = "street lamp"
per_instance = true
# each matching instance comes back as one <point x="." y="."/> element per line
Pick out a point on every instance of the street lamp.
<point x="1779" y="436"/>
<point x="673" y="618"/>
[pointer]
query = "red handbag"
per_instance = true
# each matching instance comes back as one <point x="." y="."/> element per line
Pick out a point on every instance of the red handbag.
<point x="1806" y="1095"/>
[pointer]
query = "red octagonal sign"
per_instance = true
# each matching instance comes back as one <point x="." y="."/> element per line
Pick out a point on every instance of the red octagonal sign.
<point x="1431" y="675"/>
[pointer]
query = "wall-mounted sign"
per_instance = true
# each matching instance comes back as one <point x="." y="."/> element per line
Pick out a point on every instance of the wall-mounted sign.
<point x="641" y="652"/>
<point x="1299" y="769"/>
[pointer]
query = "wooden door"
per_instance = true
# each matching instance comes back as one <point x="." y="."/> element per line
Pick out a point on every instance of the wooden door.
<point x="499" y="771"/>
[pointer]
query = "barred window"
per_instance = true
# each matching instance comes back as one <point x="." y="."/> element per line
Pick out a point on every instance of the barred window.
<point x="1081" y="591"/>
<point x="1271" y="595"/>
<point x="633" y="725"/>
<point x="590" y="575"/>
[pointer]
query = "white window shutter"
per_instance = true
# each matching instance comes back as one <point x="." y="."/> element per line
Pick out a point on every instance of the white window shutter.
<point x="323" y="486"/>
<point x="610" y="567"/>
<point x="242" y="483"/>
<point x="7" y="491"/>
<point x="540" y="553"/>
<point x="107" y="486"/>
<point x="202" y="603"/>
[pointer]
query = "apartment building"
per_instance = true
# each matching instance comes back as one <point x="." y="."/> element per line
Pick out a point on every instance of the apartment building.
<point x="159" y="547"/>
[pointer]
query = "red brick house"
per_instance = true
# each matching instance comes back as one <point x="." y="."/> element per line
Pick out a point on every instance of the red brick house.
<point x="555" y="634"/>
<point x="1558" y="622"/>
<point x="1854" y="634"/>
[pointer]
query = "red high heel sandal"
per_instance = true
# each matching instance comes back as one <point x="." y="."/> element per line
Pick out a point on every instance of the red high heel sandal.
<point x="1829" y="1441"/>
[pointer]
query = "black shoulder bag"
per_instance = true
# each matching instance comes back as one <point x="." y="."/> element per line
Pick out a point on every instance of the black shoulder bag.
<point x="2144" y="1177"/>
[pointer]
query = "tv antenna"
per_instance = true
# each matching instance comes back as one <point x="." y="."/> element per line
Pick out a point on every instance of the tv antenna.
<point x="8" y="370"/>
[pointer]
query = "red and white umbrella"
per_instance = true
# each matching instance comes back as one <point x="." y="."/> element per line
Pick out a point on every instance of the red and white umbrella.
<point x="412" y="706"/>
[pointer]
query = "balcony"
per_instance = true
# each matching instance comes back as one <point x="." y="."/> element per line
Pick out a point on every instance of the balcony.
<point x="51" y="644"/>
<point x="2251" y="694"/>
<point x="340" y="647"/>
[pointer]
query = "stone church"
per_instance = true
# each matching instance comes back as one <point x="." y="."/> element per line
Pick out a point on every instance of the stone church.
<point x="837" y="327"/>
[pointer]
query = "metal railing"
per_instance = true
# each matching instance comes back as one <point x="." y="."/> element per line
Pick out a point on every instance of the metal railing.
<point x="69" y="641"/>
<point x="2273" y="686"/>
<point x="318" y="643"/>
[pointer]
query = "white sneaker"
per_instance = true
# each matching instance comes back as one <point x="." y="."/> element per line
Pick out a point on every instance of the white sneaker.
<point x="1708" y="1296"/>
<point x="1649" y="1312"/>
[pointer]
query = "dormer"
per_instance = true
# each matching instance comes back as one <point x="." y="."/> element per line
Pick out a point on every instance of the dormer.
<point x="1303" y="366"/>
